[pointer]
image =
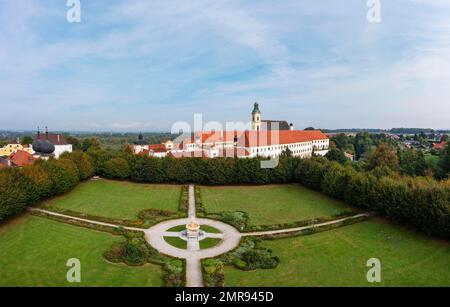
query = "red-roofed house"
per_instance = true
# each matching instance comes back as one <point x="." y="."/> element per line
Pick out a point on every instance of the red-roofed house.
<point x="439" y="146"/>
<point x="21" y="158"/>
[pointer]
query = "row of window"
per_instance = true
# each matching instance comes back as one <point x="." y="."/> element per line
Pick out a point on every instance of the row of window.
<point x="293" y="147"/>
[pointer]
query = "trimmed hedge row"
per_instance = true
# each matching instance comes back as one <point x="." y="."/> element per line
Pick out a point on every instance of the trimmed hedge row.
<point x="21" y="187"/>
<point x="421" y="201"/>
<point x="314" y="230"/>
<point x="184" y="200"/>
<point x="219" y="171"/>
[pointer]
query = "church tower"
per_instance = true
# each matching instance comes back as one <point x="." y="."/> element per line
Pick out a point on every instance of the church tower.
<point x="256" y="118"/>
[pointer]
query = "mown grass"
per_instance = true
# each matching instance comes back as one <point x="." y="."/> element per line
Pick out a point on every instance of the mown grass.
<point x="209" y="229"/>
<point x="34" y="252"/>
<point x="178" y="228"/>
<point x="339" y="258"/>
<point x="177" y="242"/>
<point x="209" y="242"/>
<point x="116" y="199"/>
<point x="272" y="204"/>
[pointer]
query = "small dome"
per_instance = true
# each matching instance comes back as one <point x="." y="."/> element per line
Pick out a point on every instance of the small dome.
<point x="43" y="146"/>
<point x="47" y="147"/>
<point x="36" y="145"/>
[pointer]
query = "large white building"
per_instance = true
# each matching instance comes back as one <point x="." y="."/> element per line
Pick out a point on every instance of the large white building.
<point x="268" y="138"/>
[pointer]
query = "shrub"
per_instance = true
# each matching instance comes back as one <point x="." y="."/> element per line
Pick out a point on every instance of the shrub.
<point x="83" y="162"/>
<point x="213" y="273"/>
<point x="174" y="273"/>
<point x="134" y="252"/>
<point x="249" y="256"/>
<point x="12" y="198"/>
<point x="184" y="199"/>
<point x="63" y="175"/>
<point x="117" y="168"/>
<point x="36" y="184"/>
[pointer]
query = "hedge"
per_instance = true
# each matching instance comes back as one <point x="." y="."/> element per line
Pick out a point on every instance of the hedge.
<point x="421" y="201"/>
<point x="22" y="187"/>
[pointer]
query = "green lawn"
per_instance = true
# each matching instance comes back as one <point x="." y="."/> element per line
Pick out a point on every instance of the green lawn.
<point x="177" y="242"/>
<point x="209" y="229"/>
<point x="271" y="204"/>
<point x="34" y="252"/>
<point x="178" y="228"/>
<point x="338" y="258"/>
<point x="209" y="242"/>
<point x="117" y="199"/>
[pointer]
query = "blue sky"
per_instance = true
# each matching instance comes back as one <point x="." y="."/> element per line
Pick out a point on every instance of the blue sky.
<point x="141" y="65"/>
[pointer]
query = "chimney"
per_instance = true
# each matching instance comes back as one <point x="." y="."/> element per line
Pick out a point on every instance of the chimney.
<point x="291" y="127"/>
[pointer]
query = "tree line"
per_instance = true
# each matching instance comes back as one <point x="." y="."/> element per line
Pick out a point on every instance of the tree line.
<point x="419" y="201"/>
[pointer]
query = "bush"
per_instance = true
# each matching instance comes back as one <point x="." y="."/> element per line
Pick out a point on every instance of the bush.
<point x="63" y="175"/>
<point x="12" y="198"/>
<point x="36" y="184"/>
<point x="213" y="270"/>
<point x="117" y="168"/>
<point x="184" y="199"/>
<point x="249" y="256"/>
<point x="83" y="162"/>
<point x="134" y="252"/>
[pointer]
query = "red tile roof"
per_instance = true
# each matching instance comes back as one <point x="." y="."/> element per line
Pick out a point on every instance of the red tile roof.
<point x="157" y="148"/>
<point x="55" y="139"/>
<point x="268" y="138"/>
<point x="256" y="138"/>
<point x="216" y="136"/>
<point x="21" y="158"/>
<point x="440" y="145"/>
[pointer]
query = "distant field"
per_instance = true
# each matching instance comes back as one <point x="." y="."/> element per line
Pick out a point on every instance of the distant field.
<point x="338" y="258"/>
<point x="271" y="204"/>
<point x="34" y="252"/>
<point x="117" y="199"/>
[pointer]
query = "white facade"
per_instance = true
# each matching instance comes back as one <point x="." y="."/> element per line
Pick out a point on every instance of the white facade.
<point x="60" y="149"/>
<point x="139" y="148"/>
<point x="300" y="149"/>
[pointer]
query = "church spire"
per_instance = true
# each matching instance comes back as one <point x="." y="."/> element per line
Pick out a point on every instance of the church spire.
<point x="256" y="117"/>
<point x="256" y="108"/>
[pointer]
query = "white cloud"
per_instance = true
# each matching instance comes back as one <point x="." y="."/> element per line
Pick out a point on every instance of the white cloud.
<point x="145" y="64"/>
